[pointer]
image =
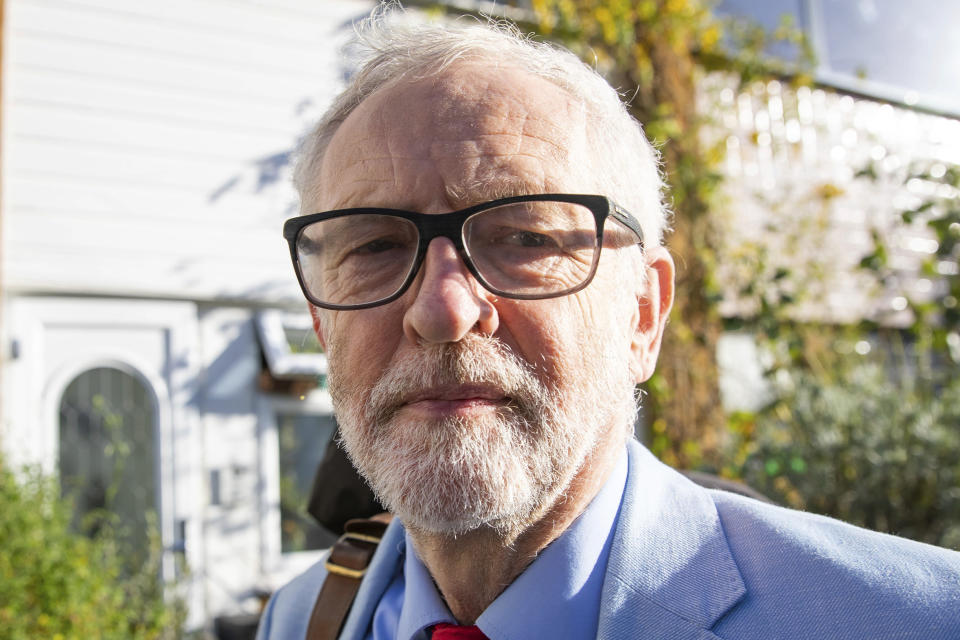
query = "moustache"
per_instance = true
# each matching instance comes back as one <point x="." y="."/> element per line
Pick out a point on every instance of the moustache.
<point x="476" y="360"/>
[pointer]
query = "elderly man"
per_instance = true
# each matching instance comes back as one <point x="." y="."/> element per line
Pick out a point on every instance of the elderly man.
<point x="486" y="325"/>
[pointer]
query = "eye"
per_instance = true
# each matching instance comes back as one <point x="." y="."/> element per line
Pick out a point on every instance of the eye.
<point x="379" y="245"/>
<point x="526" y="238"/>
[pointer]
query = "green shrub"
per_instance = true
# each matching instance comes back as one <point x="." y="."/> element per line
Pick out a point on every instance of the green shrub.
<point x="57" y="583"/>
<point x="864" y="450"/>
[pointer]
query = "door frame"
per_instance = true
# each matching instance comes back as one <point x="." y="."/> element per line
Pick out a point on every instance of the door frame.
<point x="31" y="424"/>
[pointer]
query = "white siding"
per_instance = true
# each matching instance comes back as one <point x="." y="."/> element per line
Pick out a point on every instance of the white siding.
<point x="231" y="445"/>
<point x="136" y="135"/>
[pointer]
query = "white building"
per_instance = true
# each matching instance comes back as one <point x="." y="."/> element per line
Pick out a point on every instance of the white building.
<point x="145" y="279"/>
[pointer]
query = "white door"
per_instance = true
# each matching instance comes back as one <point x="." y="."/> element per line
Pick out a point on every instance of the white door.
<point x="103" y="392"/>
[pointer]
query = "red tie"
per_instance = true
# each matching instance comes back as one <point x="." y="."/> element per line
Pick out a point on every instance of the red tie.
<point x="444" y="631"/>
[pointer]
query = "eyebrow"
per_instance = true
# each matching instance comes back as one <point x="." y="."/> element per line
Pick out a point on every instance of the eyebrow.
<point x="463" y="196"/>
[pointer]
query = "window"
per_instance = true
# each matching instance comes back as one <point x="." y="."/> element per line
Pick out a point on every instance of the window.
<point x="907" y="48"/>
<point x="896" y="51"/>
<point x="302" y="440"/>
<point x="296" y="427"/>
<point x="290" y="346"/>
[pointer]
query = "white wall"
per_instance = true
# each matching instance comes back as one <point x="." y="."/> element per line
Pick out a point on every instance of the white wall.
<point x="135" y="138"/>
<point x="135" y="135"/>
<point x="227" y="402"/>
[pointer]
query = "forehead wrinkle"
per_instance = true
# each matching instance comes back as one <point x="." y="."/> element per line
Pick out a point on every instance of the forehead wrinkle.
<point x="482" y="140"/>
<point x="492" y="104"/>
<point x="508" y="163"/>
<point x="456" y="147"/>
<point x="361" y="189"/>
<point x="366" y="166"/>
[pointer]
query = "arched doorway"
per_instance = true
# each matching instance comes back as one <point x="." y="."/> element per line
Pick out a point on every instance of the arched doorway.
<point x="107" y="459"/>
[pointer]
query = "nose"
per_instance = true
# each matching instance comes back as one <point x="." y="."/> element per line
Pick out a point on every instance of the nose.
<point x="448" y="302"/>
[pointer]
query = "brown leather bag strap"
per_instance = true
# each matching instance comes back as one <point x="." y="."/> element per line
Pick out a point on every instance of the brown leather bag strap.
<point x="346" y="564"/>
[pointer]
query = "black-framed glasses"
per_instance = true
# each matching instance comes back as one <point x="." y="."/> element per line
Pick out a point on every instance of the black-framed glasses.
<point x="525" y="247"/>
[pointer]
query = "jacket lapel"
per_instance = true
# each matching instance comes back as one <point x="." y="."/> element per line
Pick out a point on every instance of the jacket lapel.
<point x="670" y="572"/>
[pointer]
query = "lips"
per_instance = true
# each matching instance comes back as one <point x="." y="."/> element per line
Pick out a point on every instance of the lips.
<point x="456" y="392"/>
<point x="449" y="399"/>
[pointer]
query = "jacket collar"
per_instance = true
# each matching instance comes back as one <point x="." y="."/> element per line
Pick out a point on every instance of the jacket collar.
<point x="670" y="572"/>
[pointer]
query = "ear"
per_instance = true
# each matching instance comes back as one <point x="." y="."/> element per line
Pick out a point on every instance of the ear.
<point x="653" y="306"/>
<point x="317" y="325"/>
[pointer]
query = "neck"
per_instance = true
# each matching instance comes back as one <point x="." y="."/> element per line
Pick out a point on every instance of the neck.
<point x="472" y="569"/>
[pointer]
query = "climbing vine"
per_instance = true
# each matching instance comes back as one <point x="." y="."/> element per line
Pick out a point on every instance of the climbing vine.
<point x="658" y="51"/>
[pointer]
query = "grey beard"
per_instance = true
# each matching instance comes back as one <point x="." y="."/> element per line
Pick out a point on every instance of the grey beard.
<point x="456" y="474"/>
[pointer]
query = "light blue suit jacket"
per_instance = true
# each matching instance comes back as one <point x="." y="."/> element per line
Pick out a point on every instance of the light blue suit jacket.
<point x="688" y="563"/>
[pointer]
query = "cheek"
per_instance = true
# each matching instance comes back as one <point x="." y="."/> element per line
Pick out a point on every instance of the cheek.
<point x="361" y="344"/>
<point x="549" y="334"/>
<point x="592" y="330"/>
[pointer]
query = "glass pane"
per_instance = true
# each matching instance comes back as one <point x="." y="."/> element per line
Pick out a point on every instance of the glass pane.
<point x="914" y="45"/>
<point x="107" y="455"/>
<point x="533" y="248"/>
<point x="303" y="439"/>
<point x="302" y="340"/>
<point x="768" y="14"/>
<point x="905" y="50"/>
<point x="357" y="258"/>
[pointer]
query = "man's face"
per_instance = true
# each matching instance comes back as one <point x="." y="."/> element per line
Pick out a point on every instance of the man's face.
<point x="463" y="409"/>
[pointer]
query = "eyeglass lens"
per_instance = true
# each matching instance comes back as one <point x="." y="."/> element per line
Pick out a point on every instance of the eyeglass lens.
<point x="526" y="248"/>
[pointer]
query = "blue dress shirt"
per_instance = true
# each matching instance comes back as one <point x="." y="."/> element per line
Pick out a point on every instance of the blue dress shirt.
<point x="557" y="596"/>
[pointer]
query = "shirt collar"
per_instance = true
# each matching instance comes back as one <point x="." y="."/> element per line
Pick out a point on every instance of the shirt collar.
<point x="558" y="595"/>
<point x="422" y="605"/>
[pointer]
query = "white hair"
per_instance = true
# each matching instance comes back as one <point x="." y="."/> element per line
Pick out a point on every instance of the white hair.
<point x="391" y="47"/>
